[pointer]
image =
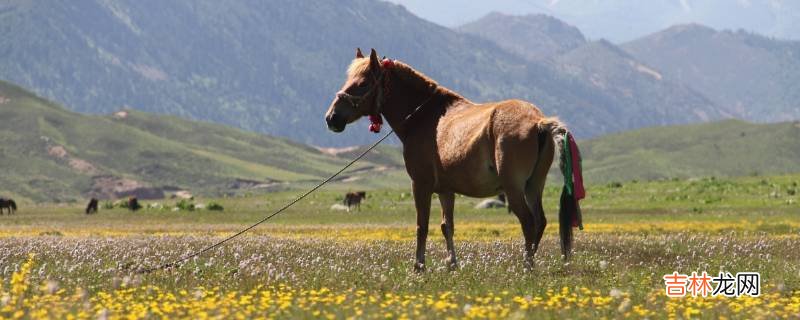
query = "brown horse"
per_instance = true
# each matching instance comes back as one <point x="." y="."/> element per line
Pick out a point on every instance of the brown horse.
<point x="8" y="204"/>
<point x="453" y="145"/>
<point x="353" y="199"/>
<point x="92" y="206"/>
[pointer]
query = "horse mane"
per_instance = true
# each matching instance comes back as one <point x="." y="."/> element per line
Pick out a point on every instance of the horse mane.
<point x="405" y="72"/>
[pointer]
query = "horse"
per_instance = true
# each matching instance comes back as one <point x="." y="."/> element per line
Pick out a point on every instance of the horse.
<point x="92" y="206"/>
<point x="133" y="204"/>
<point x="8" y="204"/>
<point x="353" y="199"/>
<point x="452" y="145"/>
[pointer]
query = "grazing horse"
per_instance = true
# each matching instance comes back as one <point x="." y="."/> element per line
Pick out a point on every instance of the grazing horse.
<point x="453" y="145"/>
<point x="8" y="204"/>
<point x="353" y="199"/>
<point x="133" y="204"/>
<point x="92" y="207"/>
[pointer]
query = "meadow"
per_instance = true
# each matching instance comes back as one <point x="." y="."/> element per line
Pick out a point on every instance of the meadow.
<point x="312" y="262"/>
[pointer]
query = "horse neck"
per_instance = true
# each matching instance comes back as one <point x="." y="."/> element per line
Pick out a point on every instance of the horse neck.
<point x="405" y="95"/>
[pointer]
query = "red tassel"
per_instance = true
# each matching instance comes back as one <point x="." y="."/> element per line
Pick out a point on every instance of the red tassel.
<point x="577" y="175"/>
<point x="376" y="122"/>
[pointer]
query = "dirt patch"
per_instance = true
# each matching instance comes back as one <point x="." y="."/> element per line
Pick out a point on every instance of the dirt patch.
<point x="337" y="151"/>
<point x="182" y="194"/>
<point x="57" y="151"/>
<point x="83" y="166"/>
<point x="251" y="184"/>
<point x="122" y="114"/>
<point x="77" y="164"/>
<point x="112" y="187"/>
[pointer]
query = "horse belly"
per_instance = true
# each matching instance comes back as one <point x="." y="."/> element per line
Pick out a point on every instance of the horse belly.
<point x="471" y="170"/>
<point x="475" y="181"/>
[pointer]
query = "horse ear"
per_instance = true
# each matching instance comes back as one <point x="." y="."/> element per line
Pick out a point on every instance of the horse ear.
<point x="358" y="53"/>
<point x="374" y="64"/>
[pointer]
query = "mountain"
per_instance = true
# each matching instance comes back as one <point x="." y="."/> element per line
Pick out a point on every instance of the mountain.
<point x="50" y="154"/>
<point x="534" y="37"/>
<point x="625" y="20"/>
<point x="640" y="93"/>
<point x="54" y="155"/>
<point x="643" y="89"/>
<point x="727" y="148"/>
<point x="269" y="66"/>
<point x="751" y="76"/>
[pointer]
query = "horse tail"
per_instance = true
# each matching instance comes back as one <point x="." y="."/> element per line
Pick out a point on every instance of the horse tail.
<point x="558" y="131"/>
<point x="13" y="204"/>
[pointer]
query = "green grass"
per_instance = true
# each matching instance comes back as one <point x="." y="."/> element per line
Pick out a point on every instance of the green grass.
<point x="727" y="148"/>
<point x="635" y="233"/>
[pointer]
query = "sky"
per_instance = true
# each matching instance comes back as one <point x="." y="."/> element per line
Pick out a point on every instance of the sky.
<point x="625" y="20"/>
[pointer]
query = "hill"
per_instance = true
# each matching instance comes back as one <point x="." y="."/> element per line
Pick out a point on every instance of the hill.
<point x="727" y="148"/>
<point x="639" y="92"/>
<point x="54" y="155"/>
<point x="51" y="154"/>
<point x="751" y="76"/>
<point x="534" y="37"/>
<point x="269" y="66"/>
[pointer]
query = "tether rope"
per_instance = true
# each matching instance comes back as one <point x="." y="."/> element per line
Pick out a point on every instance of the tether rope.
<point x="286" y="206"/>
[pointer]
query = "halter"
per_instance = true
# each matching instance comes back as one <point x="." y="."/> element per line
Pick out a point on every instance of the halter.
<point x="381" y="86"/>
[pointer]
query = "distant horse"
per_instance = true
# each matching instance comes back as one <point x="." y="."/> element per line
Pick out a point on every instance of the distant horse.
<point x="452" y="145"/>
<point x="502" y="198"/>
<point x="133" y="204"/>
<point x="353" y="199"/>
<point x="8" y="204"/>
<point x="92" y="207"/>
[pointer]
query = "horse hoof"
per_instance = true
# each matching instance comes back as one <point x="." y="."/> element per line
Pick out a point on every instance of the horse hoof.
<point x="419" y="267"/>
<point x="453" y="265"/>
<point x="528" y="264"/>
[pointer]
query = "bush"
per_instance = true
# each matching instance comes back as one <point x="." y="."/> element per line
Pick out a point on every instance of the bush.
<point x="185" y="205"/>
<point x="214" y="206"/>
<point x="108" y="205"/>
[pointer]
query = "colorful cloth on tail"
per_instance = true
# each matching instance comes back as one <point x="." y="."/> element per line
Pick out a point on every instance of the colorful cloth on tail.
<point x="573" y="180"/>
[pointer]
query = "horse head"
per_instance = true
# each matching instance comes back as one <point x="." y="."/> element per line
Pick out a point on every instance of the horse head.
<point x="360" y="95"/>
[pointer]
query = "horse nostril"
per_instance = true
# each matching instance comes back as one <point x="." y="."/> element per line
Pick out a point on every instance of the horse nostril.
<point x="335" y="122"/>
<point x="333" y="118"/>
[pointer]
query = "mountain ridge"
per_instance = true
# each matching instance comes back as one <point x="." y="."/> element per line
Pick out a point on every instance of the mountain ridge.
<point x="55" y="155"/>
<point x="271" y="67"/>
<point x="763" y="85"/>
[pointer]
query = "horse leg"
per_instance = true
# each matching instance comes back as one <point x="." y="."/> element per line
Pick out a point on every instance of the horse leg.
<point x="422" y="202"/>
<point x="535" y="187"/>
<point x="516" y="160"/>
<point x="447" y="200"/>
<point x="516" y="201"/>
<point x="533" y="199"/>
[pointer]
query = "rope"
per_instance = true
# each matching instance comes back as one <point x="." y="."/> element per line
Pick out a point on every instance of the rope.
<point x="286" y="206"/>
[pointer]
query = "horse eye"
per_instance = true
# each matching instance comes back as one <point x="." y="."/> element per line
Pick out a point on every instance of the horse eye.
<point x="362" y="84"/>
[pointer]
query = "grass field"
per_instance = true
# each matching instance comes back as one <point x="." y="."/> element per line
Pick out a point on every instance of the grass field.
<point x="311" y="262"/>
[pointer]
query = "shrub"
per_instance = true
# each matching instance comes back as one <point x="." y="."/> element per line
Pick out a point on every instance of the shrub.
<point x="214" y="206"/>
<point x="108" y="205"/>
<point x="185" y="205"/>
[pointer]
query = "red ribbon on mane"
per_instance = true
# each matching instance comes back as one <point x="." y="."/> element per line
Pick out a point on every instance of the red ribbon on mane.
<point x="375" y="119"/>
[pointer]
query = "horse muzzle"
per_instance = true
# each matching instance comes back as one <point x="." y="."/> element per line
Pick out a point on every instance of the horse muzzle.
<point x="336" y="123"/>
